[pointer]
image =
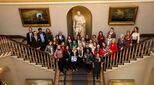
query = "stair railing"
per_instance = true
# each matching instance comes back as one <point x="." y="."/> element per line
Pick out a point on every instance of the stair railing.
<point x="26" y="52"/>
<point x="128" y="53"/>
<point x="57" y="74"/>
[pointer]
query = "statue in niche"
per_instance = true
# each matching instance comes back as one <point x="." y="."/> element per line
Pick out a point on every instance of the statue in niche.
<point x="79" y="25"/>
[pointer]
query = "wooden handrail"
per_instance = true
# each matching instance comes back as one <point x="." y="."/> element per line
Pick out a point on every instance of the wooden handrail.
<point x="26" y="52"/>
<point x="128" y="53"/>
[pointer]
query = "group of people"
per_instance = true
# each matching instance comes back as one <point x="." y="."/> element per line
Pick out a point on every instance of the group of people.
<point x="76" y="52"/>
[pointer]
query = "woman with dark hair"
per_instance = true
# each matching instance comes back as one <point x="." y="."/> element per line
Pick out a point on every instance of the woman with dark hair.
<point x="97" y="61"/>
<point x="67" y="58"/>
<point x="128" y="38"/>
<point x="99" y="50"/>
<point x="55" y="44"/>
<point x="69" y="40"/>
<point x="88" y="57"/>
<point x="87" y="38"/>
<point x="49" y="49"/>
<point x="94" y="39"/>
<point x="100" y="38"/>
<point x="135" y="35"/>
<point x="49" y="34"/>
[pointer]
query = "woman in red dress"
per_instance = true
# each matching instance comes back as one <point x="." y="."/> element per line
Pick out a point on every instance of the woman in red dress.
<point x="101" y="38"/>
<point x="113" y="48"/>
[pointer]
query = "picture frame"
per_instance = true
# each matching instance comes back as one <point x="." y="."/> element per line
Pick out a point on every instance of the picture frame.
<point x="39" y="81"/>
<point x="121" y="82"/>
<point x="35" y="17"/>
<point x="122" y="15"/>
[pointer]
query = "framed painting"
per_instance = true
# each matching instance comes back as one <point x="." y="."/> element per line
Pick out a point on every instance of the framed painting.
<point x="2" y="82"/>
<point x="122" y="15"/>
<point x="122" y="82"/>
<point x="39" y="82"/>
<point x="35" y="17"/>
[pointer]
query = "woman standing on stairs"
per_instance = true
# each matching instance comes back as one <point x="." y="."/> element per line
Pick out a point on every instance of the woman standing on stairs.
<point x="58" y="55"/>
<point x="135" y="35"/>
<point x="74" y="57"/>
<point x="97" y="61"/>
<point x="67" y="58"/>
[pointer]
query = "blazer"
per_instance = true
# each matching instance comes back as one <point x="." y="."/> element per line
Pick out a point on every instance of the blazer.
<point x="28" y="38"/>
<point x="35" y="42"/>
<point x="45" y="37"/>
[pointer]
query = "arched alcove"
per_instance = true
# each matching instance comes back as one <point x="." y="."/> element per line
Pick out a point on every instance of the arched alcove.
<point x="88" y="17"/>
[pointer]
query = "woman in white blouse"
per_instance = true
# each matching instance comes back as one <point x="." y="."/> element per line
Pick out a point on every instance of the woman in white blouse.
<point x="135" y="35"/>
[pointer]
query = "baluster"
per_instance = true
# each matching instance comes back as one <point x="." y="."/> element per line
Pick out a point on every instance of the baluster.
<point x="146" y="48"/>
<point x="132" y="53"/>
<point x="123" y="55"/>
<point x="14" y="48"/>
<point x="26" y="54"/>
<point x="1" y="45"/>
<point x="45" y="60"/>
<point x="129" y="54"/>
<point x="105" y="62"/>
<point x="3" y="48"/>
<point x="111" y="60"/>
<point x="36" y="57"/>
<point x="126" y="55"/>
<point x="42" y="59"/>
<point x="143" y="48"/>
<point x="150" y="46"/>
<point x="48" y="60"/>
<point x="22" y="52"/>
<point x="7" y="45"/>
<point x="29" y="54"/>
<point x="108" y="61"/>
<point x="53" y="62"/>
<point x="117" y="58"/>
<point x="17" y="51"/>
<point x="39" y="57"/>
<point x="32" y="54"/>
<point x="120" y="57"/>
<point x="114" y="59"/>
<point x="139" y="52"/>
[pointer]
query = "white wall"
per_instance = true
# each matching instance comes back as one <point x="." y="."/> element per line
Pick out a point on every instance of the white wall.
<point x="10" y="22"/>
<point x="19" y="71"/>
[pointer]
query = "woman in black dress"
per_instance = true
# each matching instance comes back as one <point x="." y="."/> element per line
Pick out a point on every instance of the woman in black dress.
<point x="97" y="61"/>
<point x="67" y="58"/>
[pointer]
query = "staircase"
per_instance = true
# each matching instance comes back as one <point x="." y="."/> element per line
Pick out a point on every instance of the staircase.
<point x="12" y="47"/>
<point x="80" y="77"/>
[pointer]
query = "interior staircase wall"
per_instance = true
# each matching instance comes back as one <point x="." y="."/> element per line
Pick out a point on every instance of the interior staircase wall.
<point x="11" y="24"/>
<point x="139" y="71"/>
<point x="20" y="70"/>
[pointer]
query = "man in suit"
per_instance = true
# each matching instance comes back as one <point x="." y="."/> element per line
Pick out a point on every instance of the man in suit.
<point x="42" y="39"/>
<point x="61" y="37"/>
<point x="29" y="36"/>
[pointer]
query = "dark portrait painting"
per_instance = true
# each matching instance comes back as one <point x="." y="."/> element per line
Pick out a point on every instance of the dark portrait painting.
<point x="122" y="15"/>
<point x="35" y="17"/>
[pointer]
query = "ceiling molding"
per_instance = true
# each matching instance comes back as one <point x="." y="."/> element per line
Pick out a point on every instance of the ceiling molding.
<point x="77" y="2"/>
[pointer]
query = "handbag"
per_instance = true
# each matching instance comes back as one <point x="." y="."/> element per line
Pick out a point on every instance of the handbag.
<point x="73" y="58"/>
